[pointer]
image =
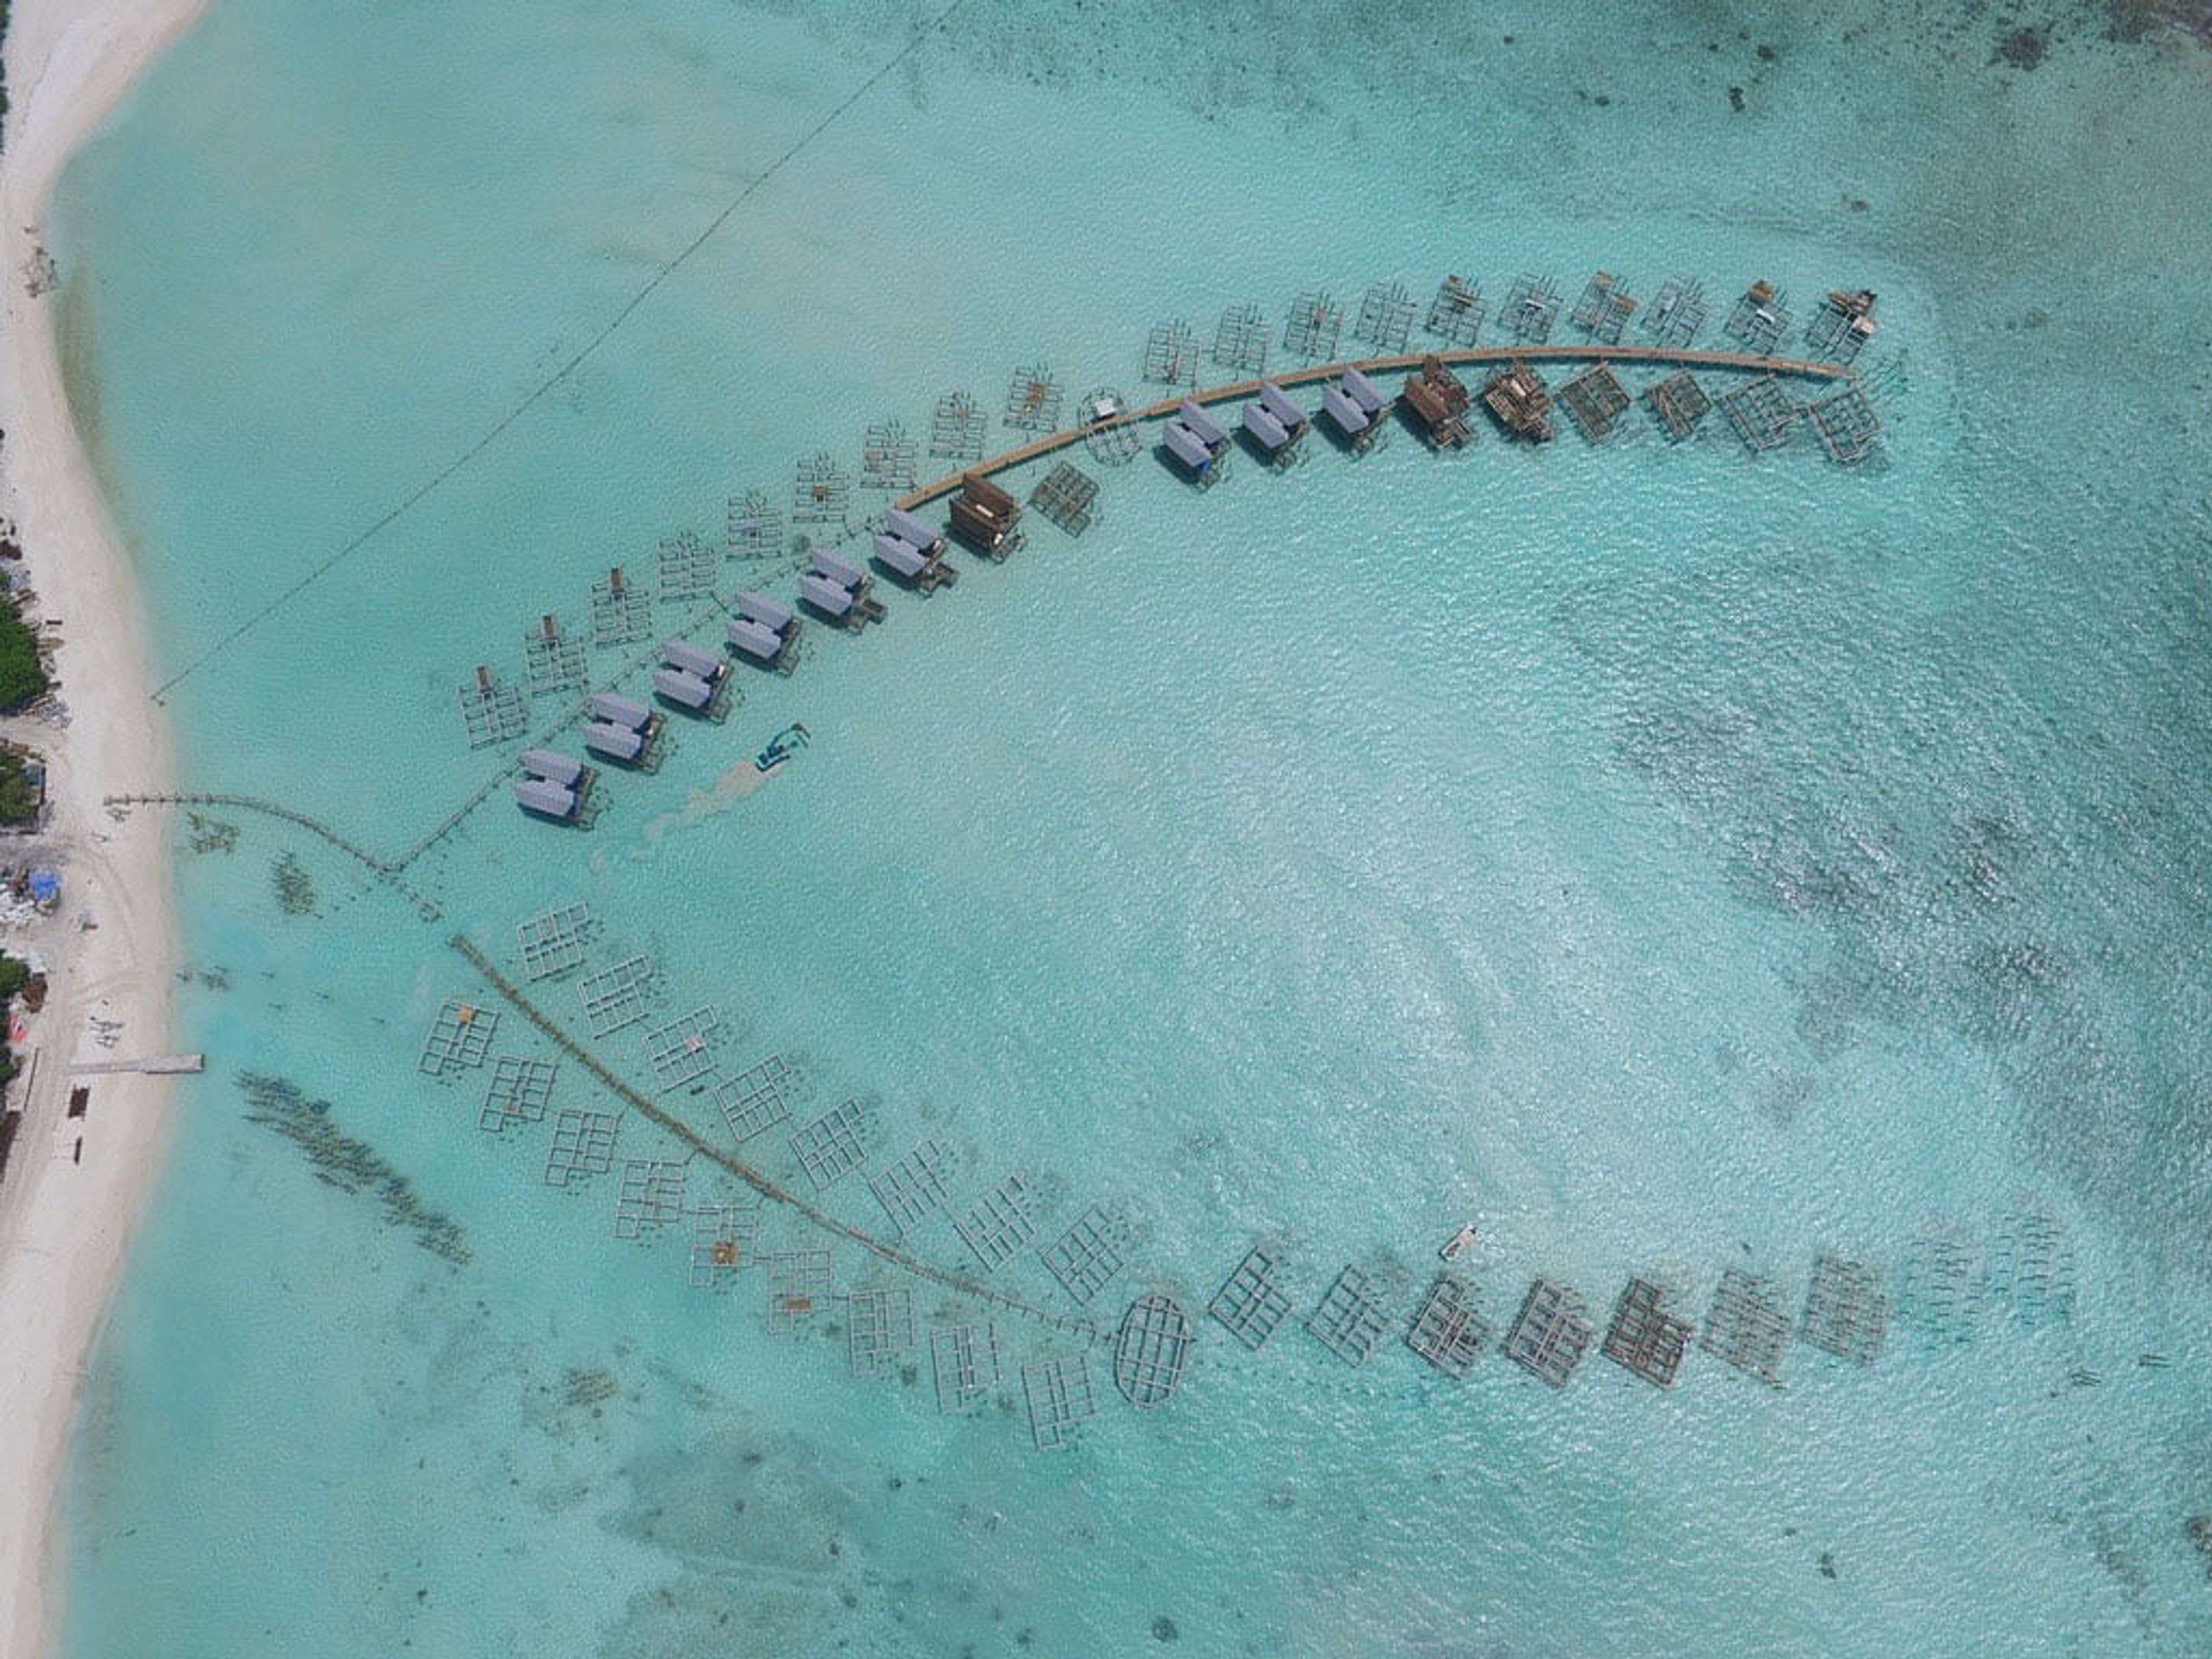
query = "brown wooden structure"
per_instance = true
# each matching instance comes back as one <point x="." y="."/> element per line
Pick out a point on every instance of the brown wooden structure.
<point x="1520" y="402"/>
<point x="984" y="517"/>
<point x="1437" y="403"/>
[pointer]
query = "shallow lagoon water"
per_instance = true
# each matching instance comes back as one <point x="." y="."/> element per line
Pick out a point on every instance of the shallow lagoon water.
<point x="1673" y="860"/>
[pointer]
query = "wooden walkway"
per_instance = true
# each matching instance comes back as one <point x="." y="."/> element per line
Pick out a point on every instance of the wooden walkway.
<point x="383" y="869"/>
<point x="1653" y="356"/>
<point x="153" y="1065"/>
<point x="752" y="1177"/>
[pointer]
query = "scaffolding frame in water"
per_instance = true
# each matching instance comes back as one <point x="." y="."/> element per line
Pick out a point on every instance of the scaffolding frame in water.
<point x="1846" y="1309"/>
<point x="1349" y="1319"/>
<point x="1116" y="440"/>
<point x="887" y="456"/>
<point x="1596" y="399"/>
<point x="821" y="491"/>
<point x="958" y="429"/>
<point x="1836" y="330"/>
<point x="687" y="568"/>
<point x="552" y="941"/>
<point x="1604" y="309"/>
<point x="798" y="1283"/>
<point x="622" y="614"/>
<point x="1762" y="412"/>
<point x="756" y="1099"/>
<point x="1060" y="1398"/>
<point x="1386" y="318"/>
<point x="1252" y="1302"/>
<point x="649" y="1197"/>
<point x="1447" y="1331"/>
<point x="1456" y="315"/>
<point x="1085" y="1258"/>
<point x="912" y="1188"/>
<point x="752" y="527"/>
<point x="1748" y="1326"/>
<point x="2032" y="1267"/>
<point x="879" y="1327"/>
<point x="614" y="997"/>
<point x="520" y="1091"/>
<point x="1676" y="313"/>
<point x="492" y="712"/>
<point x="583" y="1146"/>
<point x="1940" y="1290"/>
<point x="1241" y="339"/>
<point x="1000" y="1223"/>
<point x="1172" y="356"/>
<point x="1846" y="425"/>
<point x="1643" y="1338"/>
<point x="1551" y="1333"/>
<point x="963" y="1361"/>
<point x="1313" y="328"/>
<point x="722" y="1237"/>
<point x="1531" y="309"/>
<point x="1033" y="399"/>
<point x="830" y="1147"/>
<point x="552" y="661"/>
<point x="1151" y="1350"/>
<point x="1064" y="496"/>
<point x="680" y="1051"/>
<point x="459" y="1038"/>
<point x="1678" y="403"/>
<point x="1759" y="320"/>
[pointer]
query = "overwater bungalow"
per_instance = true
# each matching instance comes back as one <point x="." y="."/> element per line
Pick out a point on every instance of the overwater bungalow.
<point x="765" y="629"/>
<point x="552" y="765"/>
<point x="615" y="709"/>
<point x="1437" y="403"/>
<point x="838" y="589"/>
<point x="553" y="785"/>
<point x="692" y="677"/>
<point x="1520" y="402"/>
<point x="984" y="517"/>
<point x="1197" y="440"/>
<point x="1354" y="404"/>
<point x="546" y="799"/>
<point x="1275" y="424"/>
<point x="631" y="744"/>
<point x="913" y="551"/>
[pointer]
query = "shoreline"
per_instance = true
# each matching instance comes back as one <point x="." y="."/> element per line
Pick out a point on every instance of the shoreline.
<point x="76" y="1192"/>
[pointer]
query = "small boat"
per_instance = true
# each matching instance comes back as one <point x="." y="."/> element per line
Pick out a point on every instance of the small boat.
<point x="1458" y="1244"/>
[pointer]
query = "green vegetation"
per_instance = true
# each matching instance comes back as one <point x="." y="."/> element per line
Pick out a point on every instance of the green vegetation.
<point x="19" y="796"/>
<point x="22" y="672"/>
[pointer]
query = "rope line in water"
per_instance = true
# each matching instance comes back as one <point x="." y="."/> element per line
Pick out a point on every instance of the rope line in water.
<point x="530" y="398"/>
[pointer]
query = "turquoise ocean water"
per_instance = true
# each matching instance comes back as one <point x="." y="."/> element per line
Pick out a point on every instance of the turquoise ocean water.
<point x="1671" y="860"/>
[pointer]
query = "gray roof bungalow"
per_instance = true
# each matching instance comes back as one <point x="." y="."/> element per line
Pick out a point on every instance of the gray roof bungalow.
<point x="1196" y="439"/>
<point x="1353" y="406"/>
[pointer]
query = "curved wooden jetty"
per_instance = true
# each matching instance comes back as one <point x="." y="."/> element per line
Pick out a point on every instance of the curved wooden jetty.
<point x="745" y="1172"/>
<point x="1403" y="363"/>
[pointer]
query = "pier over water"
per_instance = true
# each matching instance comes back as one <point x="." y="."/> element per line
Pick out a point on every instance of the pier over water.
<point x="1659" y="356"/>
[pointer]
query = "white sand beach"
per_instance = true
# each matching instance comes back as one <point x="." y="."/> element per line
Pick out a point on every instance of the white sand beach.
<point x="75" y="1191"/>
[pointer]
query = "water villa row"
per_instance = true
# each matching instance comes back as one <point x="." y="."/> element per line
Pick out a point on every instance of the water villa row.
<point x="1274" y="426"/>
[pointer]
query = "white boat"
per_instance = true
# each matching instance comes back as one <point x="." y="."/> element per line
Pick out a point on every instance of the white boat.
<point x="1458" y="1244"/>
